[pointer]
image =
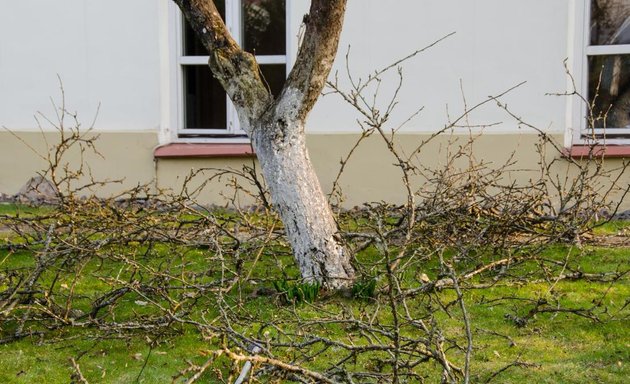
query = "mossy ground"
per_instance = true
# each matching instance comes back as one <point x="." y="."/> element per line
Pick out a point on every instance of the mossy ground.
<point x="560" y="347"/>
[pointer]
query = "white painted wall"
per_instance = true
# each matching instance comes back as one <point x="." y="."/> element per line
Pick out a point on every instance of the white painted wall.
<point x="498" y="44"/>
<point x="105" y="51"/>
<point x="114" y="52"/>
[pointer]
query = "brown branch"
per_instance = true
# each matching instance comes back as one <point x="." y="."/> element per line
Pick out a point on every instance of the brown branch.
<point x="516" y="363"/>
<point x="77" y="377"/>
<point x="276" y="363"/>
<point x="317" y="53"/>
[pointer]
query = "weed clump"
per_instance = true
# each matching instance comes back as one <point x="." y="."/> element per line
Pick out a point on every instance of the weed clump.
<point x="296" y="292"/>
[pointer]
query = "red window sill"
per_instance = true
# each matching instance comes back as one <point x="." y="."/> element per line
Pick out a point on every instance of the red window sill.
<point x="598" y="151"/>
<point x="183" y="150"/>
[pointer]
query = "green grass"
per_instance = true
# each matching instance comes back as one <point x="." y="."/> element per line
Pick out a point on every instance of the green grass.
<point x="561" y="347"/>
<point x="101" y="361"/>
<point x="13" y="209"/>
<point x="613" y="227"/>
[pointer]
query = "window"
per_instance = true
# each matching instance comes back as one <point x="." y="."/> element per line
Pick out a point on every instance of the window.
<point x="259" y="26"/>
<point x="607" y="79"/>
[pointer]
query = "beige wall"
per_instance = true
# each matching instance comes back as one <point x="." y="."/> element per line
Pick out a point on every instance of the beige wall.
<point x="127" y="156"/>
<point x="370" y="175"/>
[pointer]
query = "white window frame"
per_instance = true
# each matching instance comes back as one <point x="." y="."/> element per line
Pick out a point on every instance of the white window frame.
<point x="232" y="133"/>
<point x="582" y="49"/>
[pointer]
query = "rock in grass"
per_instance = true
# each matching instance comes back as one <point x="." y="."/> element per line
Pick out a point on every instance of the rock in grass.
<point x="38" y="190"/>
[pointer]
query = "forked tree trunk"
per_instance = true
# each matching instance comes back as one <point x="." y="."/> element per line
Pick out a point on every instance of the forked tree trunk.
<point x="276" y="128"/>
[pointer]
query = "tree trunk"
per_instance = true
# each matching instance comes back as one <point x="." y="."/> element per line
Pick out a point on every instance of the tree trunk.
<point x="276" y="128"/>
<point x="303" y="207"/>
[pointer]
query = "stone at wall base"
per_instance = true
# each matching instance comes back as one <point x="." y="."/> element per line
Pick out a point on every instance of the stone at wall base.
<point x="37" y="190"/>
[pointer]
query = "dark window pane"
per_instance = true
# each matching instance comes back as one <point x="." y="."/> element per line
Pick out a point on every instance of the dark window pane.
<point x="204" y="99"/>
<point x="264" y="27"/>
<point x="612" y="93"/>
<point x="610" y="22"/>
<point x="274" y="76"/>
<point x="192" y="45"/>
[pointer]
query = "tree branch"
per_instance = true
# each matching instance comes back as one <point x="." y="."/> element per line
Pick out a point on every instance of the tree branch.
<point x="316" y="55"/>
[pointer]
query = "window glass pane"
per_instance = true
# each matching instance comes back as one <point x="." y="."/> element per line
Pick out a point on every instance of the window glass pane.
<point x="609" y="88"/>
<point x="192" y="45"/>
<point x="274" y="75"/>
<point x="204" y="99"/>
<point x="610" y="22"/>
<point x="264" y="26"/>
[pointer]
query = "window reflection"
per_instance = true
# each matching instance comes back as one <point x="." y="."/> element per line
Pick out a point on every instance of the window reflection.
<point x="609" y="89"/>
<point x="264" y="26"/>
<point x="610" y="22"/>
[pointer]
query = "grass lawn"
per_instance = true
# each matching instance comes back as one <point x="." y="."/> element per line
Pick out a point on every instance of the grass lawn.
<point x="589" y="345"/>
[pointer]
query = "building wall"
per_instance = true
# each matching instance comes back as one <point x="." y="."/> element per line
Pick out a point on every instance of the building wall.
<point x="118" y="54"/>
<point x="124" y="156"/>
<point x="497" y="44"/>
<point x="104" y="52"/>
<point x="370" y="175"/>
<point x="113" y="53"/>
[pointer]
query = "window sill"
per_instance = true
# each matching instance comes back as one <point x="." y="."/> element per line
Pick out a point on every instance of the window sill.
<point x="192" y="150"/>
<point x="598" y="151"/>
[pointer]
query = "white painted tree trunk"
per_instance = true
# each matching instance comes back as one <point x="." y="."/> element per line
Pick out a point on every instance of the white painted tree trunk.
<point x="297" y="195"/>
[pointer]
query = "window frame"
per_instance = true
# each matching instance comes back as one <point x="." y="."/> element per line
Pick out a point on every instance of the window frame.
<point x="577" y="109"/>
<point x="232" y="133"/>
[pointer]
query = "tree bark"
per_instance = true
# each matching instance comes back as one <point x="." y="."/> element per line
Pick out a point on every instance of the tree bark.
<point x="298" y="197"/>
<point x="276" y="128"/>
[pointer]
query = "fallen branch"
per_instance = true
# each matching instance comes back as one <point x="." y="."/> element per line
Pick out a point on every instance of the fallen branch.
<point x="276" y="363"/>
<point x="77" y="377"/>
